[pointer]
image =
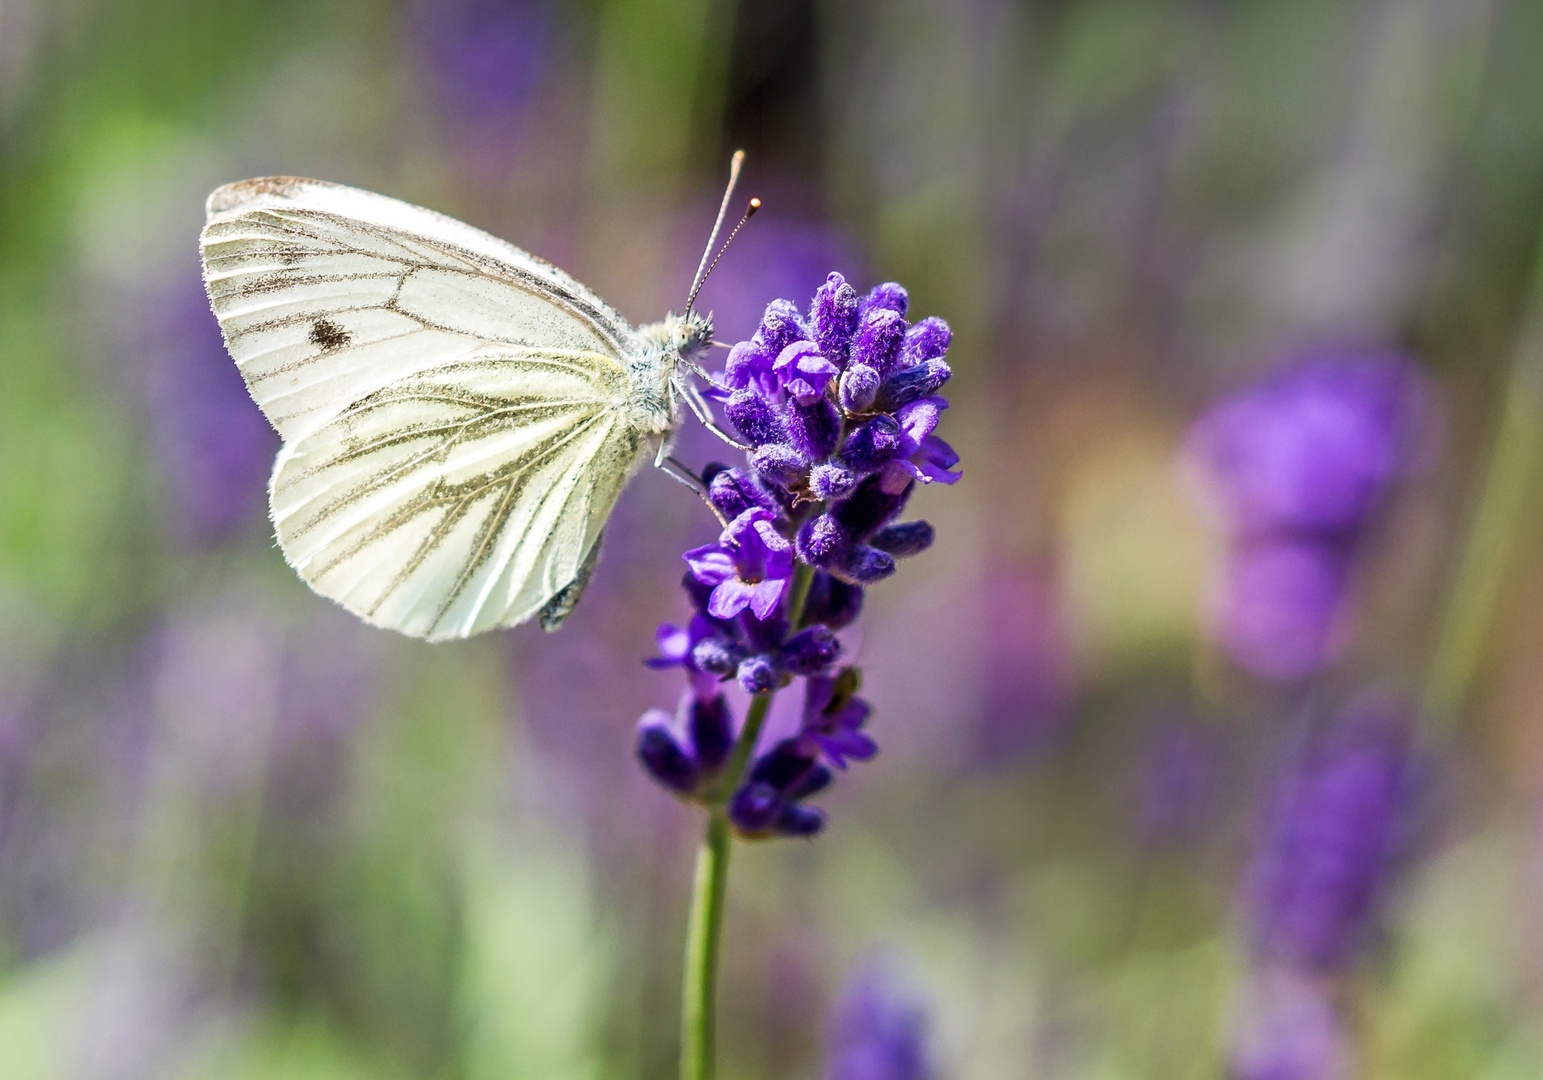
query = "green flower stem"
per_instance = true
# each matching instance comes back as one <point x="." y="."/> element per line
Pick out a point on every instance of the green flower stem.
<point x="1492" y="537"/>
<point x="699" y="1009"/>
<point x="699" y="1005"/>
<point x="803" y="577"/>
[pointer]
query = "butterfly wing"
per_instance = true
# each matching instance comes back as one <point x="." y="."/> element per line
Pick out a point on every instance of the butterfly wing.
<point x="326" y="294"/>
<point x="452" y="407"/>
<point x="465" y="497"/>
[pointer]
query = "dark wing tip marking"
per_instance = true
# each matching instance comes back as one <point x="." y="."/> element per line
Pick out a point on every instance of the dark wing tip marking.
<point x="241" y="192"/>
<point x="326" y="334"/>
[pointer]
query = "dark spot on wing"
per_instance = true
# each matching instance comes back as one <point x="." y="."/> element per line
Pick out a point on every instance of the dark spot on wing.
<point x="327" y="334"/>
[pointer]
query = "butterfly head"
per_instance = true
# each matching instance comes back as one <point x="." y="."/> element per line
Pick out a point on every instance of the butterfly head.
<point x="690" y="336"/>
<point x="670" y="347"/>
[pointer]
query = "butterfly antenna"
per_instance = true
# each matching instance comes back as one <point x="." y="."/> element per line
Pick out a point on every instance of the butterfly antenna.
<point x="755" y="204"/>
<point x="723" y="209"/>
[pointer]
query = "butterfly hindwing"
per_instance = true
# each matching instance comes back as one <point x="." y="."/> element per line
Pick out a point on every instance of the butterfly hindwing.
<point x="463" y="498"/>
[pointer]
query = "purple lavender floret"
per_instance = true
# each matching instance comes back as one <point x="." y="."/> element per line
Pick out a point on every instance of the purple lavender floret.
<point x="838" y="408"/>
<point x="879" y="1031"/>
<point x="750" y="566"/>
<point x="1297" y="467"/>
<point x="1313" y="889"/>
<point x="834" y="717"/>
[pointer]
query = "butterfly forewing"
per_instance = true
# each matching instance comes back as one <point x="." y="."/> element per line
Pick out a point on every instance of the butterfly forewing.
<point x="453" y="408"/>
<point x="326" y="294"/>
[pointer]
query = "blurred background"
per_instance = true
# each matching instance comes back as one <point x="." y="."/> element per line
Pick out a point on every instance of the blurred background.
<point x="1211" y="728"/>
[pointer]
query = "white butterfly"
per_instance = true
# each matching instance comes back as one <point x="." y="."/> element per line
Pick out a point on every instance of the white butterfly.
<point x="458" y="415"/>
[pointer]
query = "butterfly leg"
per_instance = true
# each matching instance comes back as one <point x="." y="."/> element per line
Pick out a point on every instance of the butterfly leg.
<point x="704" y="415"/>
<point x="675" y="470"/>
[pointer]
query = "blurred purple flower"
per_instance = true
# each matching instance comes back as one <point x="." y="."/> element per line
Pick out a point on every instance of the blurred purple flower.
<point x="1288" y="1031"/>
<point x="484" y="58"/>
<point x="879" y="1031"/>
<point x="1298" y="466"/>
<point x="1282" y="606"/>
<point x="1314" y="886"/>
<point x="213" y="444"/>
<point x="1314" y="448"/>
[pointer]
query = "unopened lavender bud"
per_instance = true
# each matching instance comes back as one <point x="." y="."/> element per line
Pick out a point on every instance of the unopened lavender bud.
<point x="810" y="651"/>
<point x="755" y="807"/>
<point x="863" y="565"/>
<point x="717" y="656"/>
<point x="833" y="318"/>
<point x="912" y="384"/>
<point x="732" y="492"/>
<point x="663" y="756"/>
<point x="871" y="444"/>
<point x="878" y="340"/>
<point x="831" y="481"/>
<point x="780" y="326"/>
<point x="813" y="428"/>
<point x="904" y="540"/>
<point x="858" y="388"/>
<point x="890" y="296"/>
<point x="712" y="731"/>
<point x="799" y="820"/>
<point x="757" y="674"/>
<point x="832" y="602"/>
<point x="927" y="340"/>
<point x="754" y="417"/>
<point x="820" y="540"/>
<point x="779" y="463"/>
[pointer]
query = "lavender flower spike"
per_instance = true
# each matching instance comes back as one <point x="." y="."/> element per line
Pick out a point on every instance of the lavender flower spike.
<point x="1315" y="885"/>
<point x="879" y="1033"/>
<point x="1297" y="467"/>
<point x="840" y="410"/>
